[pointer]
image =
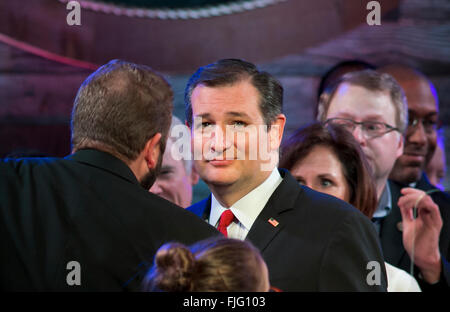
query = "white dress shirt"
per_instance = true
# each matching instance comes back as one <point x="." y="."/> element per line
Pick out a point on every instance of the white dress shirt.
<point x="246" y="209"/>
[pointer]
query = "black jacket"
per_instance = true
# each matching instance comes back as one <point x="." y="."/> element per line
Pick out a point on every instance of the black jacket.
<point x="88" y="208"/>
<point x="320" y="244"/>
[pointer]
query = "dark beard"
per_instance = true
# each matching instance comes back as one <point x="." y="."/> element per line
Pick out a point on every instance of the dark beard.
<point x="150" y="178"/>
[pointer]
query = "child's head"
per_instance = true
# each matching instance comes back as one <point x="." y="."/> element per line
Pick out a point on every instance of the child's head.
<point x="219" y="264"/>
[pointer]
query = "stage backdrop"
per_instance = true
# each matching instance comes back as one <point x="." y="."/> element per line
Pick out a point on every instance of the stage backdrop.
<point x="43" y="60"/>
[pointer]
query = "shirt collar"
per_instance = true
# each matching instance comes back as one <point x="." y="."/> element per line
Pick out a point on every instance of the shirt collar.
<point x="247" y="209"/>
<point x="413" y="184"/>
<point x="385" y="203"/>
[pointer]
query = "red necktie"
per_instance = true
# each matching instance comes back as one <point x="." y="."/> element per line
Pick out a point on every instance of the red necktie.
<point x="225" y="220"/>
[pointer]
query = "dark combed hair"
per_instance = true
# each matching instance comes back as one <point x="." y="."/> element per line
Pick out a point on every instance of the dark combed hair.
<point x="213" y="265"/>
<point x="230" y="71"/>
<point x="119" y="108"/>
<point x="356" y="169"/>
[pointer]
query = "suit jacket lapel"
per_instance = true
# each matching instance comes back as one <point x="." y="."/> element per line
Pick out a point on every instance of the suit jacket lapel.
<point x="390" y="235"/>
<point x="202" y="209"/>
<point x="206" y="209"/>
<point x="262" y="231"/>
<point x="424" y="184"/>
<point x="282" y="200"/>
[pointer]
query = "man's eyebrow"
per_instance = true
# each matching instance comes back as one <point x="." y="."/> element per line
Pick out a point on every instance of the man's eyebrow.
<point x="412" y="112"/>
<point x="238" y="114"/>
<point x="432" y="114"/>
<point x="234" y="114"/>
<point x="204" y="115"/>
<point x="374" y="116"/>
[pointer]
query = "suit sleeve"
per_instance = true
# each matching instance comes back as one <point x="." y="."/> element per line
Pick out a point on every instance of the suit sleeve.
<point x="444" y="279"/>
<point x="445" y="275"/>
<point x="443" y="201"/>
<point x="353" y="259"/>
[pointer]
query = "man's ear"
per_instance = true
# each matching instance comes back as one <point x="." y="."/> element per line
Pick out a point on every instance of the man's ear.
<point x="152" y="150"/>
<point x="194" y="176"/>
<point x="401" y="144"/>
<point x="276" y="132"/>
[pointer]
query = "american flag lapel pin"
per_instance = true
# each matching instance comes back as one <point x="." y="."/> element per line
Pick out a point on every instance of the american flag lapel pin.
<point x="273" y="222"/>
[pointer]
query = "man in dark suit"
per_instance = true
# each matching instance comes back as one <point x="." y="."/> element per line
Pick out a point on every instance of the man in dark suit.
<point x="84" y="223"/>
<point x="310" y="241"/>
<point x="408" y="171"/>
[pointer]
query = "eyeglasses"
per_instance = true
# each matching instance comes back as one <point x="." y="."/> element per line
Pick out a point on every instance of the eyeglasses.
<point x="429" y="125"/>
<point x="370" y="129"/>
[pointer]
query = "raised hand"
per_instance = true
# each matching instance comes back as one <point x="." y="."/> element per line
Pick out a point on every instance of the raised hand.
<point x="421" y="233"/>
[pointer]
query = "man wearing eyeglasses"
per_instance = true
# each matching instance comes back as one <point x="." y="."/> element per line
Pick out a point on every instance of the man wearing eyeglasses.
<point x="420" y="145"/>
<point x="373" y="107"/>
<point x="421" y="134"/>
